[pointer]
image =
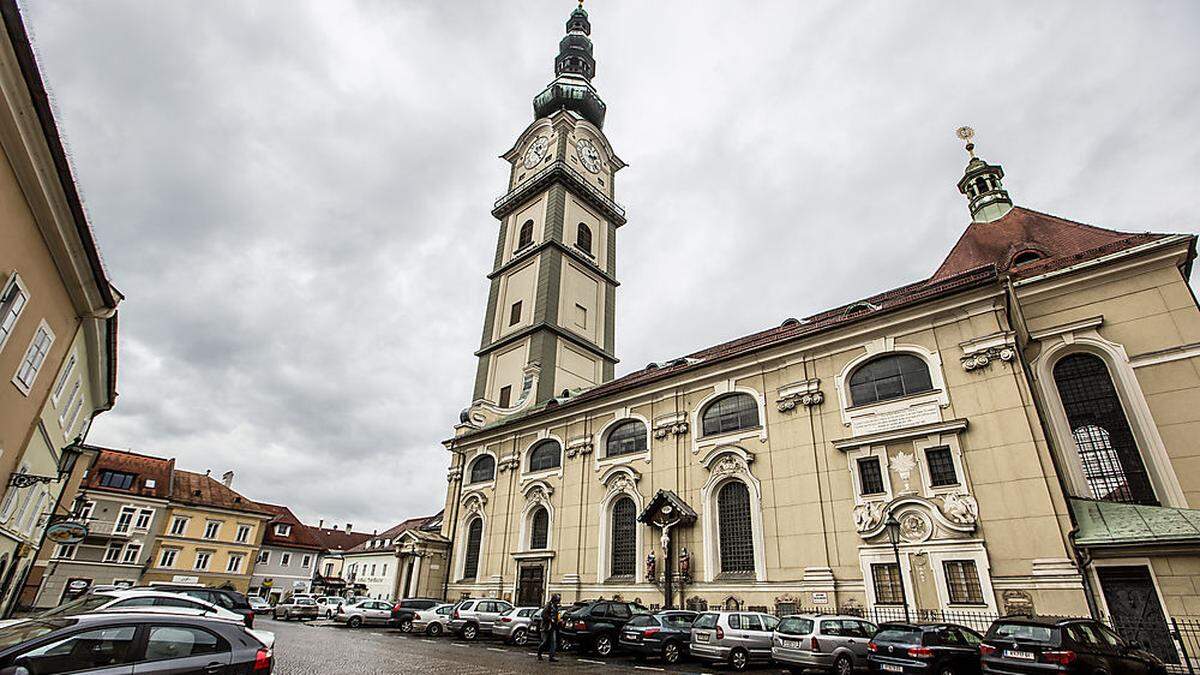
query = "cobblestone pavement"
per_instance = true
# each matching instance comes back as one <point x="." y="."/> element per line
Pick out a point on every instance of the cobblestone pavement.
<point x="325" y="649"/>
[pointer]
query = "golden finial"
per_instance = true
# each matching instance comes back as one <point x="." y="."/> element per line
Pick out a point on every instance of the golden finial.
<point x="966" y="134"/>
<point x="580" y="4"/>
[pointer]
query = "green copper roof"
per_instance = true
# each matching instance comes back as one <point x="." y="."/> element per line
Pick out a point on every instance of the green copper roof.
<point x="1116" y="524"/>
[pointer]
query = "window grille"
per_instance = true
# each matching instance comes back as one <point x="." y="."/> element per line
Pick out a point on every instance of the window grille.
<point x="730" y="413"/>
<point x="886" y="578"/>
<point x="545" y="455"/>
<point x="624" y="538"/>
<point x="870" y="476"/>
<point x="474" y="541"/>
<point x="539" y="529"/>
<point x="962" y="581"/>
<point x="1112" y="464"/>
<point x="583" y="238"/>
<point x="736" y="534"/>
<point x="526" y="236"/>
<point x="941" y="467"/>
<point x="484" y="469"/>
<point x="626" y="438"/>
<point x="889" y="377"/>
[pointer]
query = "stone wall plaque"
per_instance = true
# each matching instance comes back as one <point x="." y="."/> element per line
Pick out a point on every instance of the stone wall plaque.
<point x="890" y="420"/>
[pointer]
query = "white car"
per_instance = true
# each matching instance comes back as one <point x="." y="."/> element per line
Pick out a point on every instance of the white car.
<point x="433" y="621"/>
<point x="328" y="605"/>
<point x="136" y="600"/>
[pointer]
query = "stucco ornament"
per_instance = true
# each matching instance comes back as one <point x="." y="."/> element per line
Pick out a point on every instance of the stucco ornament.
<point x="728" y="465"/>
<point x="579" y="446"/>
<point x="807" y="400"/>
<point x="539" y="495"/>
<point x="868" y="516"/>
<point x="961" y="508"/>
<point x="508" y="462"/>
<point x="678" y="428"/>
<point x="915" y="527"/>
<point x="453" y="475"/>
<point x="474" y="502"/>
<point x="903" y="464"/>
<point x="621" y="482"/>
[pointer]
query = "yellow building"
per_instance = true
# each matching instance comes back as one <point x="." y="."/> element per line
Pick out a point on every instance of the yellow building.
<point x="211" y="534"/>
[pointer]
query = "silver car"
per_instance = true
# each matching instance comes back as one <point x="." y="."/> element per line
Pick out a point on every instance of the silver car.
<point x="513" y="625"/>
<point x="355" y="614"/>
<point x="827" y="642"/>
<point x="736" y="638"/>
<point x="327" y="606"/>
<point x="476" y="615"/>
<point x="433" y="621"/>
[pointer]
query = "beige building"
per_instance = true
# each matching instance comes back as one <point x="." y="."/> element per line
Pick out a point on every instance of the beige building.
<point x="1022" y="421"/>
<point x="57" y="312"/>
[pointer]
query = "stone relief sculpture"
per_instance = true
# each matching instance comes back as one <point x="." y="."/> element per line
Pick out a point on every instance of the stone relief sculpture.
<point x="961" y="508"/>
<point x="903" y="464"/>
<point x="868" y="516"/>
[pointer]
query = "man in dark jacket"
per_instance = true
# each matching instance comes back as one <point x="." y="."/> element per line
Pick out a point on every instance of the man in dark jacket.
<point x="549" y="628"/>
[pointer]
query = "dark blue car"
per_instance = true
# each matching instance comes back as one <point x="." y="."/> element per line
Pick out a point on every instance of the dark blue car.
<point x="665" y="635"/>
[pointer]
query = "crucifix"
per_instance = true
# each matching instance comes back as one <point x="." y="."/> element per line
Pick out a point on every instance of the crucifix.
<point x="665" y="522"/>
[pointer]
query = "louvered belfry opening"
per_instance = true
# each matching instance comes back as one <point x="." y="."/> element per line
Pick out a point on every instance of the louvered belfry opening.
<point x="1112" y="463"/>
<point x="624" y="538"/>
<point x="736" y="534"/>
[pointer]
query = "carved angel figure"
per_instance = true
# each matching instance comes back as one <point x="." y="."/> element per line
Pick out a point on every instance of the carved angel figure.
<point x="867" y="516"/>
<point x="961" y="508"/>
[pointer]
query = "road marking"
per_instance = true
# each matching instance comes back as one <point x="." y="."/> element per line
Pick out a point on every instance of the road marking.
<point x="427" y="640"/>
<point x="590" y="661"/>
<point x="649" y="668"/>
<point x="458" y="644"/>
<point x="496" y="649"/>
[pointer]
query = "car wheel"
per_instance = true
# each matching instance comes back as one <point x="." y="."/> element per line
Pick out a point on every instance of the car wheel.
<point x="520" y="636"/>
<point x="470" y="631"/>
<point x="843" y="666"/>
<point x="739" y="659"/>
<point x="671" y="652"/>
<point x="406" y="626"/>
<point x="434" y="629"/>
<point x="354" y="622"/>
<point x="946" y="670"/>
<point x="603" y="644"/>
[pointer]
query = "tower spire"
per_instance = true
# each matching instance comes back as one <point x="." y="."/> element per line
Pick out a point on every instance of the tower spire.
<point x="982" y="183"/>
<point x="574" y="68"/>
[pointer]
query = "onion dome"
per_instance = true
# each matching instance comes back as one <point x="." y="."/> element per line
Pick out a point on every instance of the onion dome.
<point x="574" y="68"/>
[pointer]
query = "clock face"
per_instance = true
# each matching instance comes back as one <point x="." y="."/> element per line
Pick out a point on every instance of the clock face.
<point x="588" y="155"/>
<point x="536" y="152"/>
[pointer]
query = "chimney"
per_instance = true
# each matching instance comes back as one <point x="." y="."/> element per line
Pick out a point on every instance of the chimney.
<point x="349" y="527"/>
<point x="321" y="524"/>
<point x="227" y="479"/>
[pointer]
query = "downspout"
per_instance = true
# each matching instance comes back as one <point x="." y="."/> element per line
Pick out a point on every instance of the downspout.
<point x="1016" y="319"/>
<point x="457" y="455"/>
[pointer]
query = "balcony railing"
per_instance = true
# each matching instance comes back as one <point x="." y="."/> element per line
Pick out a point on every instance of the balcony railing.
<point x="578" y="183"/>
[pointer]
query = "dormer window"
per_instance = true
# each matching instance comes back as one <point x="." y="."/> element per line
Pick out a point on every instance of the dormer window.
<point x="118" y="480"/>
<point x="525" y="237"/>
<point x="283" y="530"/>
<point x="1026" y="257"/>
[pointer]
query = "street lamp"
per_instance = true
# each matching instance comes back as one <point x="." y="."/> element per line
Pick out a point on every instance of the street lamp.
<point x="892" y="527"/>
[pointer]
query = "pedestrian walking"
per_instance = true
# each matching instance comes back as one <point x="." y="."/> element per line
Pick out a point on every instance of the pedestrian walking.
<point x="549" y="628"/>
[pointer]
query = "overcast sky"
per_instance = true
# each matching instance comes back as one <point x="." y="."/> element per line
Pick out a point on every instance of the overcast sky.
<point x="295" y="197"/>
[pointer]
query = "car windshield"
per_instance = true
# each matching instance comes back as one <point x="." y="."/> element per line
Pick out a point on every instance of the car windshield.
<point x="81" y="606"/>
<point x="305" y="601"/>
<point x="1024" y="631"/>
<point x="30" y="630"/>
<point x="794" y="625"/>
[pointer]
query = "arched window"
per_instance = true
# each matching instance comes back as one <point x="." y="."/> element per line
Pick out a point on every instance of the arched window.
<point x="735" y="532"/>
<point x="483" y="470"/>
<point x="730" y="413"/>
<point x="626" y="438"/>
<point x="889" y="377"/>
<point x="545" y="455"/>
<point x="583" y="238"/>
<point x="624" y="538"/>
<point x="474" y="541"/>
<point x="525" y="237"/>
<point x="1026" y="257"/>
<point x="539" y="528"/>
<point x="1108" y="453"/>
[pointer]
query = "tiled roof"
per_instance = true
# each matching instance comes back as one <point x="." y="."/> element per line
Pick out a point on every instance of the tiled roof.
<point x="143" y="467"/>
<point x="299" y="536"/>
<point x="330" y="539"/>
<point x="200" y="489"/>
<point x="391" y="533"/>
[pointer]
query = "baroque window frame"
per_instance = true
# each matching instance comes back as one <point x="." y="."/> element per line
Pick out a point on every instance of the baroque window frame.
<point x="725" y="464"/>
<point x="882" y="347"/>
<point x="600" y="448"/>
<point x="621" y="481"/>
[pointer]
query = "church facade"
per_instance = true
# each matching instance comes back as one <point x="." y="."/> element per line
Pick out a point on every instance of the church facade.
<point x="1014" y="433"/>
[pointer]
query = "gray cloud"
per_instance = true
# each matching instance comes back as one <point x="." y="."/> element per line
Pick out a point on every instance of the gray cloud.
<point x="295" y="196"/>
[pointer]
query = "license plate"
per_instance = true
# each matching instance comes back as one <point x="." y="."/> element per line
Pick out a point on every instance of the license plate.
<point x="891" y="668"/>
<point x="1019" y="655"/>
<point x="701" y="637"/>
<point x="632" y="636"/>
<point x="791" y="644"/>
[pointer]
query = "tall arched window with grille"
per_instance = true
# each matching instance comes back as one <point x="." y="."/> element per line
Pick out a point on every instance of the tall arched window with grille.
<point x="545" y="455"/>
<point x="583" y="238"/>
<point x="483" y="469"/>
<point x="734" y="528"/>
<point x="623" y="538"/>
<point x="887" y="377"/>
<point x="626" y="438"/>
<point x="525" y="236"/>
<point x="730" y="413"/>
<point x="539" y="529"/>
<point x="474" y="543"/>
<point x="1108" y="453"/>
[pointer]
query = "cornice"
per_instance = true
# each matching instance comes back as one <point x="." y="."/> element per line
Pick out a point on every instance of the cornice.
<point x="559" y="172"/>
<point x="527" y="254"/>
<point x="557" y="330"/>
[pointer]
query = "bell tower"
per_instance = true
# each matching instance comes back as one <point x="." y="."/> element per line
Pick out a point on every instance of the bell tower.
<point x="549" y="323"/>
<point x="982" y="184"/>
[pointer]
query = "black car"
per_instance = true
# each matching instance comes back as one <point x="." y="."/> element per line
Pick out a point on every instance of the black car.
<point x="935" y="648"/>
<point x="665" y="634"/>
<point x="597" y="624"/>
<point x="116" y="644"/>
<point x="1018" y="645"/>
<point x="404" y="611"/>
<point x="222" y="597"/>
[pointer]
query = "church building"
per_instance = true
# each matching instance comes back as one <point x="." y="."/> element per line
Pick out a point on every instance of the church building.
<point x="1014" y="433"/>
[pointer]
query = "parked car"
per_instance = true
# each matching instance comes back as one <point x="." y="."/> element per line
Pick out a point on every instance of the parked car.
<point x="405" y="609"/>
<point x="222" y="597"/>
<point x="665" y="634"/>
<point x="328" y="605"/>
<point x="828" y="642"/>
<point x="1021" y="645"/>
<point x="153" y="644"/>
<point x="258" y="605"/>
<point x="433" y="621"/>
<point x="355" y="614"/>
<point x="597" y="625"/>
<point x="513" y="625"/>
<point x="937" y="648"/>
<point x="140" y="600"/>
<point x="736" y="638"/>
<point x="300" y="608"/>
<point x="476" y="615"/>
